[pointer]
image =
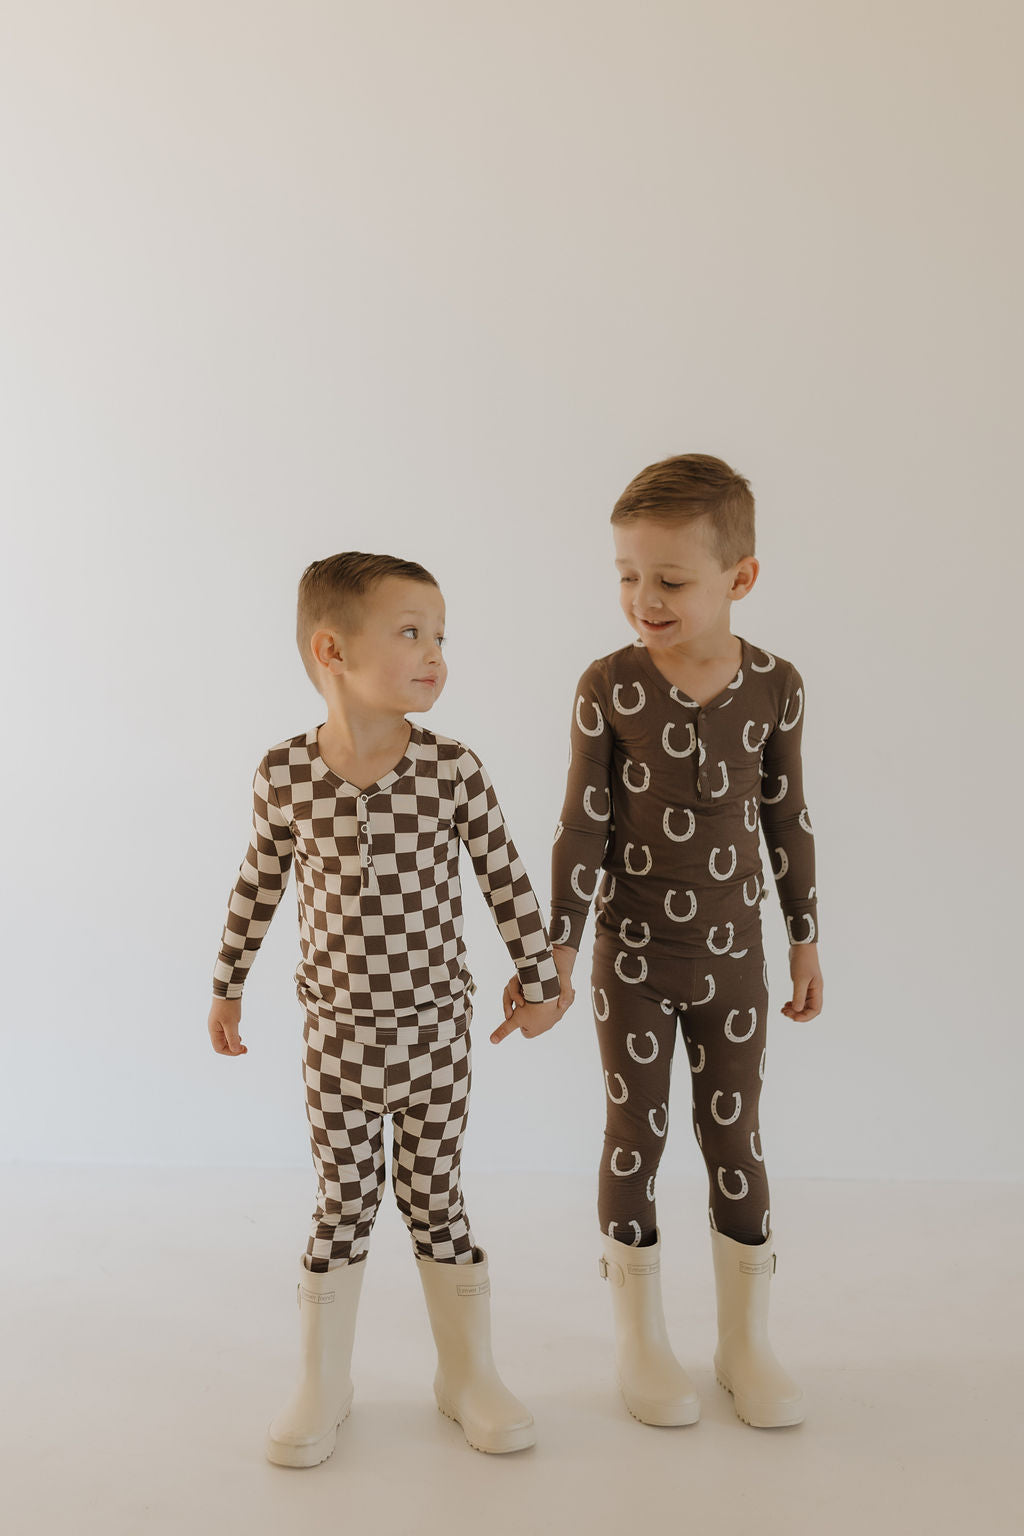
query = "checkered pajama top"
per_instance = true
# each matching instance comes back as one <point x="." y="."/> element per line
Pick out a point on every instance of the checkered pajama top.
<point x="379" y="897"/>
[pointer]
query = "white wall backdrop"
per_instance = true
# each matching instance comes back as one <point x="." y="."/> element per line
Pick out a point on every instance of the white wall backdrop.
<point x="438" y="279"/>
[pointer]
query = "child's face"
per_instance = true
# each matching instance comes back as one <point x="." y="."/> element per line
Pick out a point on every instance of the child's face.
<point x="672" y="588"/>
<point x="394" y="660"/>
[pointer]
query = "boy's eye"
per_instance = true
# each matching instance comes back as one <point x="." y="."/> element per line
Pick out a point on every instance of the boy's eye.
<point x="673" y="586"/>
<point x="411" y="630"/>
<point x="440" y="640"/>
<point x="624" y="579"/>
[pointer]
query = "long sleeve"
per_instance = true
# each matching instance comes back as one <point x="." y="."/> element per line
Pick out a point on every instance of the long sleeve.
<point x="581" y="838"/>
<point x="262" y="877"/>
<point x="503" y="880"/>
<point x="785" y="818"/>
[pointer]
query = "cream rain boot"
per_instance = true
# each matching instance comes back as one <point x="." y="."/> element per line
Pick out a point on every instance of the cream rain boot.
<point x="745" y="1364"/>
<point x="654" y="1385"/>
<point x="304" y="1433"/>
<point x="467" y="1385"/>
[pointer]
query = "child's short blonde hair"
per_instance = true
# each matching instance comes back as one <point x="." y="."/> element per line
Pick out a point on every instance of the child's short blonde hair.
<point x="331" y="593"/>
<point x="693" y="485"/>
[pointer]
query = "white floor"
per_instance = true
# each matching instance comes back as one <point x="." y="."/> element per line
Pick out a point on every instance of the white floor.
<point x="149" y="1325"/>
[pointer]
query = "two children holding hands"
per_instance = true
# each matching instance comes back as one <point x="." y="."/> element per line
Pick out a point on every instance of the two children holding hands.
<point x="685" y="743"/>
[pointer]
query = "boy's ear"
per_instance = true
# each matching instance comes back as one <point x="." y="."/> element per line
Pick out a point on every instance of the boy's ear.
<point x="324" y="647"/>
<point x="745" y="577"/>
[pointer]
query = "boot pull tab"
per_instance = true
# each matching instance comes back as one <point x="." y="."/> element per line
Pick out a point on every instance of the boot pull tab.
<point x="612" y="1271"/>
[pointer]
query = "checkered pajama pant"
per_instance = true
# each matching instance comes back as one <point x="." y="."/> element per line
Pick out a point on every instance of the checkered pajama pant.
<point x="424" y="1087"/>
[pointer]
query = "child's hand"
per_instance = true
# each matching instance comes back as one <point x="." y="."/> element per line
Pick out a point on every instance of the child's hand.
<point x="225" y="1017"/>
<point x="530" y="1018"/>
<point x="808" y="987"/>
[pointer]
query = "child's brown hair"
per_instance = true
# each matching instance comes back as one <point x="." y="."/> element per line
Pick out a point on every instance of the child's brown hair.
<point x="331" y="593"/>
<point x="693" y="485"/>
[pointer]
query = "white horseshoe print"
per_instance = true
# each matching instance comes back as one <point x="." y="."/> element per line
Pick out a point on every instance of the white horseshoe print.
<point x="783" y="863"/>
<point x="676" y="916"/>
<point x="757" y="744"/>
<point x="680" y="837"/>
<point x="629" y="868"/>
<point x="634" y="943"/>
<point x="641" y="699"/>
<point x="771" y="663"/>
<point x="699" y="1067"/>
<point x="624" y="1173"/>
<point x="667" y="1006"/>
<point x="774" y="799"/>
<point x="810" y="923"/>
<point x="558" y="832"/>
<point x="713" y="863"/>
<point x="760" y="1065"/>
<point x="728" y="943"/>
<point x="685" y="751"/>
<point x="744" y="1186"/>
<point x="592" y="789"/>
<point x="637" y="789"/>
<point x="624" y="1095"/>
<point x="681" y="698"/>
<point x="751" y="826"/>
<point x="607" y="1006"/>
<point x="764" y="973"/>
<point x="698" y="1001"/>
<point x="643" y="1060"/>
<point x="606" y="895"/>
<point x="563" y="937"/>
<point x="696" y="1132"/>
<point x="805" y="820"/>
<point x="701" y="754"/>
<point x="650" y="1189"/>
<point x="730" y="1033"/>
<point x="716" y="794"/>
<point x="631" y="980"/>
<point x="711" y="1218"/>
<point x="574" y="881"/>
<point x="737" y="954"/>
<point x="751" y="901"/>
<point x="634" y="1224"/>
<point x="737" y="680"/>
<point x="653" y="1123"/>
<point x="755" y="1154"/>
<point x="731" y="1120"/>
<point x="764" y="1225"/>
<point x="586" y="729"/>
<point x="787" y="725"/>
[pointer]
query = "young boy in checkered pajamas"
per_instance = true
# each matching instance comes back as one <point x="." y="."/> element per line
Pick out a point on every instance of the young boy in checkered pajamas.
<point x="374" y="809"/>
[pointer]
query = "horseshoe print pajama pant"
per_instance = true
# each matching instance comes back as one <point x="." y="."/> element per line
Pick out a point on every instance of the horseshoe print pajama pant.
<point x="424" y="1087"/>
<point x="720" y="1005"/>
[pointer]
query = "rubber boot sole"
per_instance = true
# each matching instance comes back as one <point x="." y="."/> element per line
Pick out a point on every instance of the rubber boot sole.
<point x="493" y="1442"/>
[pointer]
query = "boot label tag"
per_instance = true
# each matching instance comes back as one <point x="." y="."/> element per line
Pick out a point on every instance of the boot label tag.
<point x="482" y="1289"/>
<point x="644" y="1269"/>
<point x="761" y="1268"/>
<point x="317" y="1298"/>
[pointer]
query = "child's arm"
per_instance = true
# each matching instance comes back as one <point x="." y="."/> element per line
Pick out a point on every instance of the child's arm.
<point x="787" y="828"/>
<point x="581" y="838"/>
<point x="506" y="886"/>
<point x="262" y="877"/>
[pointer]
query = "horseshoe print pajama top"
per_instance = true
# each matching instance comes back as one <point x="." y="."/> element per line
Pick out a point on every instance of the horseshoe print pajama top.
<point x="661" y="827"/>
<point x="383" y="978"/>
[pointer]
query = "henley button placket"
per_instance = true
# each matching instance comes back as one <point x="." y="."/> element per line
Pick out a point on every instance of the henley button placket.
<point x="365" y="857"/>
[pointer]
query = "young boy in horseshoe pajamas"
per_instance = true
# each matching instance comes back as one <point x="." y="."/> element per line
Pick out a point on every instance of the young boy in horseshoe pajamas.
<point x="684" y="745"/>
<point x="373" y="810"/>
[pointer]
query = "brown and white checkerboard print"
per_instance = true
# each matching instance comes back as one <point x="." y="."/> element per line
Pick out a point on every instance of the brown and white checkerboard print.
<point x="424" y="1087"/>
<point x="379" y="895"/>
